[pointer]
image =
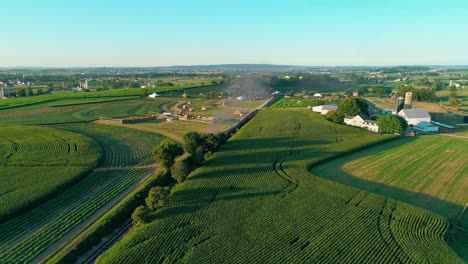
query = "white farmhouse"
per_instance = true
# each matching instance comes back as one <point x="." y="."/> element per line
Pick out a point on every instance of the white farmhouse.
<point x="362" y="121"/>
<point x="415" y="116"/>
<point x="324" y="109"/>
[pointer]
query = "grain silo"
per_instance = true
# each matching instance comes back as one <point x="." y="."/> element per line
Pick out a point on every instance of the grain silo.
<point x="408" y="100"/>
<point x="400" y="104"/>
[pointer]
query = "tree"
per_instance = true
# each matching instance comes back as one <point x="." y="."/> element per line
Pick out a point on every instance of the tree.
<point x="353" y="106"/>
<point x="380" y="91"/>
<point x="453" y="101"/>
<point x="349" y="92"/>
<point x="140" y="215"/>
<point x="424" y="82"/>
<point x="392" y="124"/>
<point x="21" y="92"/>
<point x="157" y="197"/>
<point x="180" y="170"/>
<point x="334" y="117"/>
<point x="166" y="152"/>
<point x="402" y="89"/>
<point x="192" y="141"/>
<point x="29" y="91"/>
<point x="363" y="90"/>
<point x="212" y="142"/>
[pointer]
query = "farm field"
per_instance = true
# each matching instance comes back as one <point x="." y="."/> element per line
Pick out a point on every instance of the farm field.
<point x="38" y="162"/>
<point x="255" y="201"/>
<point x="298" y="102"/>
<point x="428" y="171"/>
<point x="126" y="161"/>
<point x="81" y="112"/>
<point x="223" y="115"/>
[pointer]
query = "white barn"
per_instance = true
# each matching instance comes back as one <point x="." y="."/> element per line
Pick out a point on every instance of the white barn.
<point x="415" y="116"/>
<point x="324" y="109"/>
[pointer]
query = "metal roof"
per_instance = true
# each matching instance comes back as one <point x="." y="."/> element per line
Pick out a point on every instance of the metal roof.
<point x="415" y="113"/>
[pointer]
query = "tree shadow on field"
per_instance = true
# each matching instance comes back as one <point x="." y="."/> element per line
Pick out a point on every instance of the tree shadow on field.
<point x="456" y="236"/>
<point x="192" y="199"/>
<point x="256" y="151"/>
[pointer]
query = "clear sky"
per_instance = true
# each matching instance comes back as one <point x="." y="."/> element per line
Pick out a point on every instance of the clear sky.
<point x="183" y="32"/>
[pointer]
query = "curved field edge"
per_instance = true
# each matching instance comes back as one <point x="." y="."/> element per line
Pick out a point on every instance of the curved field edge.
<point x="38" y="163"/>
<point x="255" y="201"/>
<point x="107" y="223"/>
<point x="426" y="171"/>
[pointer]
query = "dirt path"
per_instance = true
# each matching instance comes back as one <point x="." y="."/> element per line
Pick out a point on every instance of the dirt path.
<point x="457" y="136"/>
<point x="98" y="213"/>
<point x="127" y="168"/>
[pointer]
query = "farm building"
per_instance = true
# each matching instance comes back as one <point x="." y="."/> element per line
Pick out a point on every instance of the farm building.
<point x="415" y="116"/>
<point x="239" y="113"/>
<point x="426" y="127"/>
<point x="362" y="121"/>
<point x="318" y="95"/>
<point x="153" y="95"/>
<point x="324" y="109"/>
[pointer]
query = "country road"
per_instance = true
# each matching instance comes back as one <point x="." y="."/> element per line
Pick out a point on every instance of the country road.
<point x="98" y="213"/>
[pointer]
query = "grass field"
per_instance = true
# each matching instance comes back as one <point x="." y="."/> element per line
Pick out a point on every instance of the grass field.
<point x="38" y="162"/>
<point x="429" y="172"/>
<point x="30" y="236"/>
<point x="298" y="102"/>
<point x="254" y="201"/>
<point x="81" y="112"/>
<point x="224" y="117"/>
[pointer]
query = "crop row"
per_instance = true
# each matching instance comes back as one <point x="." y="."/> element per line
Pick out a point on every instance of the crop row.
<point x="121" y="146"/>
<point x="22" y="243"/>
<point x="255" y="201"/>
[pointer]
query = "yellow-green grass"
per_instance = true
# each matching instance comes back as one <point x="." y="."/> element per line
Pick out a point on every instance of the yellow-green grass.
<point x="254" y="201"/>
<point x="427" y="171"/>
<point x="252" y="104"/>
<point x="38" y="162"/>
<point x="174" y="130"/>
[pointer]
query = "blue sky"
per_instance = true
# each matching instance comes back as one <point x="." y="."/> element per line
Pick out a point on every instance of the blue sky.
<point x="178" y="32"/>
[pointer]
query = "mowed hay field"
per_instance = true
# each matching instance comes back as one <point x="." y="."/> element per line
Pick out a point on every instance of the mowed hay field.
<point x="427" y="171"/>
<point x="38" y="162"/>
<point x="254" y="201"/>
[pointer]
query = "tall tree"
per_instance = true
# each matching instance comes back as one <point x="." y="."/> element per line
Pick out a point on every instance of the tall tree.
<point x="453" y="97"/>
<point x="392" y="124"/>
<point x="166" y="152"/>
<point x="353" y="106"/>
<point x="157" y="197"/>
